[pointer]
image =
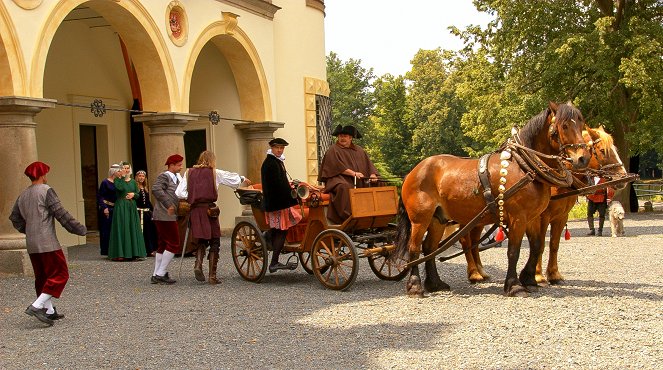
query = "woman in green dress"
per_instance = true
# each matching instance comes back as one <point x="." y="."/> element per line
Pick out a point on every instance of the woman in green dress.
<point x="126" y="239"/>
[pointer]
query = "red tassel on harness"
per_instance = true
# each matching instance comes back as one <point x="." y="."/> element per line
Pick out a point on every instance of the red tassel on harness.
<point x="500" y="235"/>
<point x="567" y="234"/>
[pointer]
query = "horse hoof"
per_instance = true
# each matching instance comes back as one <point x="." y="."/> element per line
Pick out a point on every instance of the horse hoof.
<point x="556" y="281"/>
<point x="413" y="287"/>
<point x="475" y="278"/>
<point x="517" y="291"/>
<point x="436" y="286"/>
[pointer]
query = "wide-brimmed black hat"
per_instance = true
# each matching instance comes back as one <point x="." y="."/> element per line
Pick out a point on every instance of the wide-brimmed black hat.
<point x="278" y="141"/>
<point x="348" y="130"/>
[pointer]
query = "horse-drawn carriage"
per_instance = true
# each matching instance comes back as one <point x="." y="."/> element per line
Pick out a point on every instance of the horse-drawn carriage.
<point x="330" y="252"/>
<point x="510" y="188"/>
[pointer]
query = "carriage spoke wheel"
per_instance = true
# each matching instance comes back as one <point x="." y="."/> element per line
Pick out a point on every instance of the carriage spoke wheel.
<point x="305" y="261"/>
<point x="386" y="268"/>
<point x="334" y="259"/>
<point x="249" y="251"/>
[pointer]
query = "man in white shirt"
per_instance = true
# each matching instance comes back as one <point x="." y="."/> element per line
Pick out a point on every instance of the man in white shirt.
<point x="199" y="187"/>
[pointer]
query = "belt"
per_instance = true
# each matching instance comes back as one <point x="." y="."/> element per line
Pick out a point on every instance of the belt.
<point x="144" y="209"/>
<point x="109" y="203"/>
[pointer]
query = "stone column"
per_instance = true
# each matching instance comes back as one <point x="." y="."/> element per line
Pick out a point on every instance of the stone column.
<point x="166" y="137"/>
<point x="18" y="148"/>
<point x="257" y="135"/>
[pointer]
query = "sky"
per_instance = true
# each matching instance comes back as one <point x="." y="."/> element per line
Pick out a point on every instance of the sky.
<point x="386" y="34"/>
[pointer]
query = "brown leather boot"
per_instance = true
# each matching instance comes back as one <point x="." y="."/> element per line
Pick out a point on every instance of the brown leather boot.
<point x="213" y="260"/>
<point x="198" y="267"/>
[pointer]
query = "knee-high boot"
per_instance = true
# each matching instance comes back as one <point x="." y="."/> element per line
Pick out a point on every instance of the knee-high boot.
<point x="198" y="267"/>
<point x="590" y="221"/>
<point x="213" y="260"/>
<point x="599" y="232"/>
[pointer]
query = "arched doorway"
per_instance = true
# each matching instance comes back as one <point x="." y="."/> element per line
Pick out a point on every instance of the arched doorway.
<point x="99" y="50"/>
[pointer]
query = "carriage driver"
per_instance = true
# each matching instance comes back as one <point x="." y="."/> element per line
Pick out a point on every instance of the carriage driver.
<point x="343" y="164"/>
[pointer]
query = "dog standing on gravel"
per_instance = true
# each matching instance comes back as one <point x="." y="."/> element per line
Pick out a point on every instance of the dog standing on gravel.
<point x="616" y="213"/>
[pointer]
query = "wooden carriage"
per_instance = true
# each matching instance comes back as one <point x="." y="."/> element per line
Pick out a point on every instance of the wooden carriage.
<point x="330" y="252"/>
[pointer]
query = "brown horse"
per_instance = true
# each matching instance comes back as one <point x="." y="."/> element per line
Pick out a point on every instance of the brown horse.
<point x="446" y="188"/>
<point x="605" y="160"/>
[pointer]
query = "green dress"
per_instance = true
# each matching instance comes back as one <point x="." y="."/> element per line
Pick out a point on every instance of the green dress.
<point x="126" y="239"/>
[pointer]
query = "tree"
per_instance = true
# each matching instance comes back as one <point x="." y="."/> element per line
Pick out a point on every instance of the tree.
<point x="434" y="111"/>
<point x="392" y="133"/>
<point x="603" y="55"/>
<point x="351" y="93"/>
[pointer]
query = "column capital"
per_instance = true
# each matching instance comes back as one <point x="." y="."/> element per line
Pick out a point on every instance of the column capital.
<point x="25" y="103"/>
<point x="263" y="130"/>
<point x="167" y="123"/>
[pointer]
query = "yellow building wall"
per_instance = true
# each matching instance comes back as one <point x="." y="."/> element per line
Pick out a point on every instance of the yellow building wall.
<point x="213" y="88"/>
<point x="299" y="48"/>
<point x="82" y="65"/>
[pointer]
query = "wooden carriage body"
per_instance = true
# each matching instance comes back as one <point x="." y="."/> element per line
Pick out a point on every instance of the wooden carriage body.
<point x="323" y="246"/>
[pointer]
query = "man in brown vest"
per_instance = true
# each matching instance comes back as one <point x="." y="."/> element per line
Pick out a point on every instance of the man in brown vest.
<point x="199" y="187"/>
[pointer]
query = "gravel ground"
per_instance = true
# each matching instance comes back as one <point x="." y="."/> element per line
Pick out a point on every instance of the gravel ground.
<point x="607" y="315"/>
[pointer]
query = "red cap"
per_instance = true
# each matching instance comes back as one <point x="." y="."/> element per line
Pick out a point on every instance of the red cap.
<point x="175" y="158"/>
<point x="36" y="170"/>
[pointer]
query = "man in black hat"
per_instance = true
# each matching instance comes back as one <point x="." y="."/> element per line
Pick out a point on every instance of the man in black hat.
<point x="343" y="167"/>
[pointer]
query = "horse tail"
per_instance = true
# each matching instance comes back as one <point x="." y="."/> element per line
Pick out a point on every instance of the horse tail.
<point x="403" y="231"/>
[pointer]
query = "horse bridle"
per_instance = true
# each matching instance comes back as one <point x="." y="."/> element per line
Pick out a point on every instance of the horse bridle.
<point x="603" y="170"/>
<point x="554" y="134"/>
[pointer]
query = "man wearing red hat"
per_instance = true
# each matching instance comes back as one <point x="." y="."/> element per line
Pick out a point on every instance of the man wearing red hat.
<point x="342" y="166"/>
<point x="33" y="215"/>
<point x="165" y="218"/>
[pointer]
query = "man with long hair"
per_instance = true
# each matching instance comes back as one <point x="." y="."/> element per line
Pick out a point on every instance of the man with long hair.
<point x="199" y="187"/>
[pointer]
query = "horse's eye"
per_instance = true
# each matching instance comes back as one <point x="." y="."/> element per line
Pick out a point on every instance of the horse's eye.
<point x="565" y="126"/>
<point x="605" y="152"/>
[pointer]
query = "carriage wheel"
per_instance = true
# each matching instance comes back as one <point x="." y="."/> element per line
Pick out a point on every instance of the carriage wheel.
<point x="305" y="261"/>
<point x="387" y="269"/>
<point x="249" y="251"/>
<point x="334" y="259"/>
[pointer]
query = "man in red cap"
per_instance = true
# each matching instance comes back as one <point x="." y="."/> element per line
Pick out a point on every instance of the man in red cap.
<point x="33" y="215"/>
<point x="165" y="218"/>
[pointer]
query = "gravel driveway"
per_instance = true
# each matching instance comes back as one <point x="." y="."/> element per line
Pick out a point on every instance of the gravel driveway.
<point x="607" y="315"/>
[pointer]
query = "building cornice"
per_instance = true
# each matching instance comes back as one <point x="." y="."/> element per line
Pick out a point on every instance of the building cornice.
<point x="263" y="8"/>
<point x="317" y="4"/>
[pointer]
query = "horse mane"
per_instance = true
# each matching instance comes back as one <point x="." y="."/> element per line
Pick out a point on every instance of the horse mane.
<point x="533" y="127"/>
<point x="606" y="139"/>
<point x="565" y="112"/>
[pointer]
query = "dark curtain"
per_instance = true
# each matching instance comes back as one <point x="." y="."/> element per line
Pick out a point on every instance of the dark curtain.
<point x="138" y="157"/>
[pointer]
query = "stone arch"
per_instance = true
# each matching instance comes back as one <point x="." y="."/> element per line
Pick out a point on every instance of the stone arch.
<point x="140" y="34"/>
<point x="12" y="67"/>
<point x="242" y="56"/>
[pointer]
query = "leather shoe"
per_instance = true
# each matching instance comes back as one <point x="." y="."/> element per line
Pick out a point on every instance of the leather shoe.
<point x="591" y="232"/>
<point x="154" y="279"/>
<point x="165" y="279"/>
<point x="55" y="315"/>
<point x="277" y="266"/>
<point x="39" y="313"/>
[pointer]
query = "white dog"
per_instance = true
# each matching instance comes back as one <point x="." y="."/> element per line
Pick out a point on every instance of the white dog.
<point x="616" y="218"/>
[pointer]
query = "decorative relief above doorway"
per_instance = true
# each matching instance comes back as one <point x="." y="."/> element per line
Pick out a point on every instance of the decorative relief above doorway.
<point x="28" y="4"/>
<point x="177" y="25"/>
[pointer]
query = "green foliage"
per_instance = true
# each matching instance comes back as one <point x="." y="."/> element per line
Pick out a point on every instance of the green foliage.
<point x="392" y="132"/>
<point x="605" y="59"/>
<point x="579" y="211"/>
<point x="433" y="111"/>
<point x="605" y="56"/>
<point x="351" y="94"/>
